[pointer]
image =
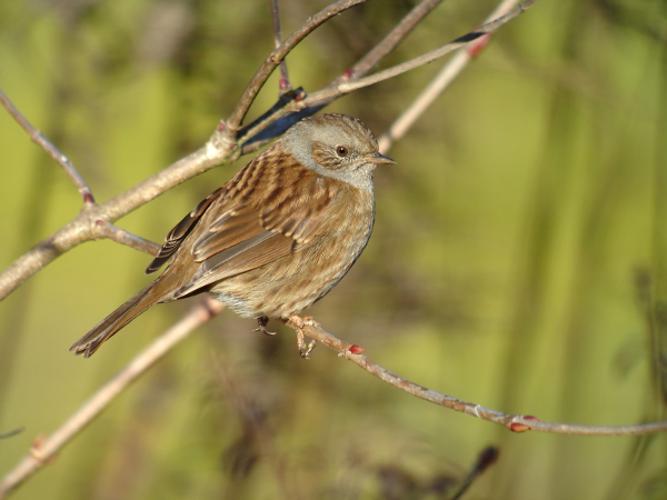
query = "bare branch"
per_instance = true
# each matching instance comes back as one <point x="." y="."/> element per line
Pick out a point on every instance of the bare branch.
<point x="38" y="138"/>
<point x="442" y="80"/>
<point x="86" y="226"/>
<point x="380" y="76"/>
<point x="352" y="80"/>
<point x="515" y="423"/>
<point x="223" y="146"/>
<point x="404" y="122"/>
<point x="390" y="41"/>
<point x="283" y="84"/>
<point x="41" y="453"/>
<point x="248" y="136"/>
<point x="278" y="54"/>
<point x="114" y="233"/>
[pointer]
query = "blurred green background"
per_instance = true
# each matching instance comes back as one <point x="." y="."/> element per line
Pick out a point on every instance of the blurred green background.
<point x="519" y="258"/>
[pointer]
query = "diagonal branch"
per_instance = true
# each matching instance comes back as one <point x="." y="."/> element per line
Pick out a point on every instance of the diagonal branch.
<point x="391" y="40"/>
<point x="442" y="80"/>
<point x="41" y="453"/>
<point x="38" y="138"/>
<point x="515" y="423"/>
<point x="350" y="82"/>
<point x="380" y="76"/>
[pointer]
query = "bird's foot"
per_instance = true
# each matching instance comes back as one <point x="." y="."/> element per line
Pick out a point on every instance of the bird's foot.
<point x="298" y="324"/>
<point x="262" y="321"/>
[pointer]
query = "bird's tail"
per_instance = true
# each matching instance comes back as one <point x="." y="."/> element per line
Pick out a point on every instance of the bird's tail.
<point x="107" y="328"/>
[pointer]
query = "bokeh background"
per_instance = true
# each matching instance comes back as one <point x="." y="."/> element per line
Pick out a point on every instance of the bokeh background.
<point x="519" y="258"/>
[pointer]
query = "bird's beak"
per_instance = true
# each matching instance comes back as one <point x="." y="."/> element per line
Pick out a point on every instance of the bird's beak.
<point x="380" y="159"/>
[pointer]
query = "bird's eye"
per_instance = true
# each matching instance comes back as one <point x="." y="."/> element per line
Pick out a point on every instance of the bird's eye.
<point x="341" y="151"/>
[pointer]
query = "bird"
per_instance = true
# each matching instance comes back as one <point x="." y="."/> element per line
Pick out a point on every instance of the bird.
<point x="275" y="238"/>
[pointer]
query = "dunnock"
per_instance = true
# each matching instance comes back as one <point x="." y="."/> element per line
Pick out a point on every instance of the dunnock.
<point x="277" y="237"/>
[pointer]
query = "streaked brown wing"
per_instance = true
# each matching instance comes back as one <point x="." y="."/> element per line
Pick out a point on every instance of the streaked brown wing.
<point x="179" y="232"/>
<point x="261" y="218"/>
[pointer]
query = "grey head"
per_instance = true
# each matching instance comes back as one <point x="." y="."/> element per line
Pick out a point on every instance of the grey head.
<point x="337" y="146"/>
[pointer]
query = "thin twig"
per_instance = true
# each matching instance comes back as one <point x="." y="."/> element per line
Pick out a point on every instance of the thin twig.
<point x="114" y="233"/>
<point x="12" y="433"/>
<point x="515" y="423"/>
<point x="42" y="453"/>
<point x="352" y="81"/>
<point x="38" y="138"/>
<point x="442" y="80"/>
<point x="369" y="60"/>
<point x="283" y="84"/>
<point x="278" y="54"/>
<point x="390" y="41"/>
<point x="485" y="459"/>
<point x="380" y="76"/>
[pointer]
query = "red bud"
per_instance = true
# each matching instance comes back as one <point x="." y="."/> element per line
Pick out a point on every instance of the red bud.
<point x="355" y="349"/>
<point x="475" y="48"/>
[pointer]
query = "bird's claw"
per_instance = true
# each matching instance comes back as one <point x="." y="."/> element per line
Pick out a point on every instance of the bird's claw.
<point x="304" y="347"/>
<point x="298" y="324"/>
<point x="262" y="321"/>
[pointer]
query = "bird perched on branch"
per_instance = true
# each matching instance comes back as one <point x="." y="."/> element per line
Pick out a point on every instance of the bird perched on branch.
<point x="275" y="238"/>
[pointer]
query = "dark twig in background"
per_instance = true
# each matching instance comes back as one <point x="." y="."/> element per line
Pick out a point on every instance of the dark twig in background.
<point x="283" y="83"/>
<point x="486" y="459"/>
<point x="12" y="433"/>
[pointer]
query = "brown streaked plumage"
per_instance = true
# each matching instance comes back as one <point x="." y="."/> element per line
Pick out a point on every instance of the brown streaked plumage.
<point x="277" y="237"/>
